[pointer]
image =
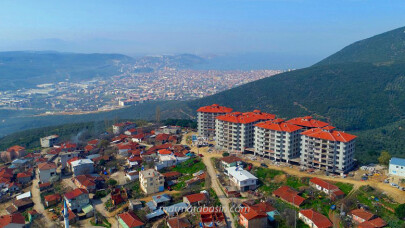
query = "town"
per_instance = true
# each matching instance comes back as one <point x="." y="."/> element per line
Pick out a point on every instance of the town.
<point x="249" y="169"/>
<point x="126" y="89"/>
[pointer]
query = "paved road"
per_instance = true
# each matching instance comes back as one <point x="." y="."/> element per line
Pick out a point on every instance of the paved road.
<point x="215" y="185"/>
<point x="36" y="198"/>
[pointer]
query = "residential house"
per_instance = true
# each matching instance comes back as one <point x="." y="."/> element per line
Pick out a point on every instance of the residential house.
<point x="16" y="220"/>
<point x="151" y="181"/>
<point x="49" y="141"/>
<point x="172" y="175"/>
<point x="210" y="216"/>
<point x="242" y="179"/>
<point x="175" y="209"/>
<point x="24" y="178"/>
<point x="66" y="156"/>
<point x="132" y="175"/>
<point x="289" y="195"/>
<point x="52" y="199"/>
<point x="20" y="205"/>
<point x="177" y="222"/>
<point x="314" y="219"/>
<point x="121" y="127"/>
<point x="130" y="220"/>
<point x="82" y="166"/>
<point x="364" y="218"/>
<point x="230" y="161"/>
<point x="331" y="190"/>
<point x="47" y="171"/>
<point x="258" y="215"/>
<point x="77" y="199"/>
<point x="158" y="201"/>
<point x="13" y="153"/>
<point x="89" y="182"/>
<point x="195" y="199"/>
<point x="397" y="167"/>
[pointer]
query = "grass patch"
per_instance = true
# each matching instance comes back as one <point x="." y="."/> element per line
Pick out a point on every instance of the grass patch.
<point x="345" y="187"/>
<point x="296" y="182"/>
<point x="215" y="200"/>
<point x="190" y="166"/>
<point x="263" y="173"/>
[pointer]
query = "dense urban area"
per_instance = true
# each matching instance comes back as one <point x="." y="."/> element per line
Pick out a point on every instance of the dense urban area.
<point x="127" y="88"/>
<point x="230" y="169"/>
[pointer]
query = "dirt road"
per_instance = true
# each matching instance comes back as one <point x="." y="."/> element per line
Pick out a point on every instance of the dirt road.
<point x="38" y="206"/>
<point x="215" y="185"/>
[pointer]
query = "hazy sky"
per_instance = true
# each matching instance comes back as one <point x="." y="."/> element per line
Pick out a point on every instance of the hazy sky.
<point x="292" y="27"/>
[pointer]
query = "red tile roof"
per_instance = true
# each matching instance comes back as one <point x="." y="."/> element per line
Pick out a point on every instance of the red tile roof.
<point x="89" y="148"/>
<point x="193" y="198"/>
<point x="230" y="159"/>
<point x="165" y="152"/>
<point x="318" y="219"/>
<point x="375" y="223"/>
<point x="75" y="193"/>
<point x="256" y="211"/>
<point x="326" y="185"/>
<point x="93" y="142"/>
<point x="179" y="223"/>
<point x="363" y="214"/>
<point x="72" y="160"/>
<point x="15" y="148"/>
<point x="307" y="121"/>
<point x="162" y="137"/>
<point x="290" y="195"/>
<point x="54" y="197"/>
<point x="214" y="109"/>
<point x="46" y="166"/>
<point x="330" y="135"/>
<point x="131" y="219"/>
<point x="22" y="175"/>
<point x="16" y="218"/>
<point x="246" y="117"/>
<point x="171" y="174"/>
<point x="278" y="126"/>
<point x="210" y="215"/>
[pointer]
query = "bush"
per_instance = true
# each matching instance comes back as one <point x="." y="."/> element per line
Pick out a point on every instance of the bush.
<point x="225" y="154"/>
<point x="112" y="182"/>
<point x="400" y="211"/>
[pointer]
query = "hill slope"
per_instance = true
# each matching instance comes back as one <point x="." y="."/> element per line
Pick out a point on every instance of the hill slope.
<point x="385" y="48"/>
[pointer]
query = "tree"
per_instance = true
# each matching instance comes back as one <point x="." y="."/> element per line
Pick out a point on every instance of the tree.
<point x="384" y="158"/>
<point x="400" y="211"/>
<point x="112" y="182"/>
<point x="225" y="154"/>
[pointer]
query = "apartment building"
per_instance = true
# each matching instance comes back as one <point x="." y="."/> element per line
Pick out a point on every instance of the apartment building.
<point x="277" y="140"/>
<point x="307" y="122"/>
<point x="151" y="181"/>
<point x="327" y="149"/>
<point x="235" y="131"/>
<point x="206" y="119"/>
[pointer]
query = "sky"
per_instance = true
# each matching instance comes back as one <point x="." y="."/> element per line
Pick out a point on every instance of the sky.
<point x="306" y="29"/>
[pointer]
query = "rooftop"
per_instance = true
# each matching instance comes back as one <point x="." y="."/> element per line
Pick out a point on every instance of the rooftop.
<point x="215" y="108"/>
<point x="240" y="174"/>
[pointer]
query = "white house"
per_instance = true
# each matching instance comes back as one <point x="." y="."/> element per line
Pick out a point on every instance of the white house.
<point x="82" y="166"/>
<point x="77" y="199"/>
<point x="132" y="175"/>
<point x="168" y="161"/>
<point x="66" y="156"/>
<point x="46" y="171"/>
<point x="397" y="167"/>
<point x="242" y="179"/>
<point x="314" y="219"/>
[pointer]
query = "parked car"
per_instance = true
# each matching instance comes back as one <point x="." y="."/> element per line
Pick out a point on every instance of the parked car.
<point x="394" y="185"/>
<point x="264" y="165"/>
<point x="201" y="155"/>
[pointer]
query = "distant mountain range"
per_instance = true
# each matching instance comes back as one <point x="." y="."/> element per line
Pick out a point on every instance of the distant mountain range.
<point x="360" y="89"/>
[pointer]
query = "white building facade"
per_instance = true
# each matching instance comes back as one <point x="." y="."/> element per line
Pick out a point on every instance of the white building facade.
<point x="235" y="131"/>
<point x="277" y="140"/>
<point x="206" y="119"/>
<point x="327" y="149"/>
<point x="397" y="167"/>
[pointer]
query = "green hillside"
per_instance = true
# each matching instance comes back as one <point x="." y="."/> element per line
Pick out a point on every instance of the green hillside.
<point x="383" y="49"/>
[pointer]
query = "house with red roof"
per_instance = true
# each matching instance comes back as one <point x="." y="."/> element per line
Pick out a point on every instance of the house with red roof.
<point x="47" y="170"/>
<point x="13" y="153"/>
<point x="16" y="220"/>
<point x="230" y="161"/>
<point x="258" y="215"/>
<point x="206" y="118"/>
<point x="366" y="219"/>
<point x="289" y="195"/>
<point x="118" y="128"/>
<point x="331" y="190"/>
<point x="52" y="199"/>
<point x="242" y="124"/>
<point x="77" y="199"/>
<point x="195" y="199"/>
<point x="210" y="216"/>
<point x="327" y="149"/>
<point x="88" y="182"/>
<point x="130" y="220"/>
<point x="314" y="219"/>
<point x="177" y="222"/>
<point x="24" y="177"/>
<point x="172" y="175"/>
<point x="268" y="143"/>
